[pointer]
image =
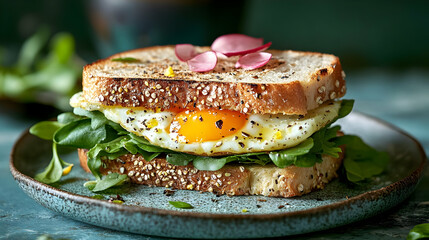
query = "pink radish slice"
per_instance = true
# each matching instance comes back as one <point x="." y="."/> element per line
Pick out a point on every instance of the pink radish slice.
<point x="253" y="60"/>
<point x="185" y="52"/>
<point x="237" y="44"/>
<point x="203" y="62"/>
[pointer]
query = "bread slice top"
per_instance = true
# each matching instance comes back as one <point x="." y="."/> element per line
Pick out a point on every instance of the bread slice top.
<point x="290" y="83"/>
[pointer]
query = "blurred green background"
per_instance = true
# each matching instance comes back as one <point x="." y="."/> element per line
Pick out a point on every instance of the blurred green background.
<point x="388" y="35"/>
<point x="392" y="34"/>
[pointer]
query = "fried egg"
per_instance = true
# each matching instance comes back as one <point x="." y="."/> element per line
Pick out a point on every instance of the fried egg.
<point x="215" y="132"/>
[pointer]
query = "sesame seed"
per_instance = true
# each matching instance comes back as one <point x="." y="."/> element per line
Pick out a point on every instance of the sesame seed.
<point x="242" y="169"/>
<point x="333" y="95"/>
<point x="122" y="169"/>
<point x="131" y="173"/>
<point x="219" y="175"/>
<point x="337" y="83"/>
<point x="245" y="110"/>
<point x="321" y="89"/>
<point x="153" y="95"/>
<point x="190" y="187"/>
<point x="227" y="174"/>
<point x="157" y="181"/>
<point x="206" y="178"/>
<point x="146" y="83"/>
<point x="136" y="162"/>
<point x="179" y="172"/>
<point x="301" y="188"/>
<point x="319" y="100"/>
<point x="210" y="189"/>
<point x="139" y="179"/>
<point x="158" y="86"/>
<point x="146" y="177"/>
<point x="149" y="167"/>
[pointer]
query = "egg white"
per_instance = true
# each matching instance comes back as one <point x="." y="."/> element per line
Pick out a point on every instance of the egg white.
<point x="262" y="132"/>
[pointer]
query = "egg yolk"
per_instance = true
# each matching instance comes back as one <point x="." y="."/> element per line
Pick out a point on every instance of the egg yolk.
<point x="207" y="125"/>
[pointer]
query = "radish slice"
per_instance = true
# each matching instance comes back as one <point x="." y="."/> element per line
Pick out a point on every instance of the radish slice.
<point x="238" y="44"/>
<point x="203" y="62"/>
<point x="185" y="52"/>
<point x="253" y="60"/>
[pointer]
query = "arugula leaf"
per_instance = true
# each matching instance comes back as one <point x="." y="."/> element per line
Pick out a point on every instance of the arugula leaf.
<point x="46" y="129"/>
<point x="80" y="134"/>
<point x="179" y="204"/>
<point x="54" y="170"/>
<point x="113" y="179"/>
<point x="420" y="231"/>
<point x="361" y="161"/>
<point x="125" y="59"/>
<point x="323" y="143"/>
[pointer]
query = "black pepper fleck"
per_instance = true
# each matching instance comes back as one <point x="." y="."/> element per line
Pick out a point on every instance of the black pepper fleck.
<point x="219" y="124"/>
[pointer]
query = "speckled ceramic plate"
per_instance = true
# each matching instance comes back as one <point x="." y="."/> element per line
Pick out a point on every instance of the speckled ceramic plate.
<point x="147" y="211"/>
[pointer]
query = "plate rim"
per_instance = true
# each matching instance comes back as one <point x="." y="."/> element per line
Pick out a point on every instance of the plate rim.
<point x="411" y="179"/>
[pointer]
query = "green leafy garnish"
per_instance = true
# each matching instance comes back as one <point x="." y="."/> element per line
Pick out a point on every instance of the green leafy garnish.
<point x="46" y="129"/>
<point x="420" y="231"/>
<point x="43" y="78"/>
<point x="113" y="179"/>
<point x="178" y="204"/>
<point x="125" y="59"/>
<point x="361" y="161"/>
<point x="98" y="196"/>
<point x="54" y="170"/>
<point x="107" y="140"/>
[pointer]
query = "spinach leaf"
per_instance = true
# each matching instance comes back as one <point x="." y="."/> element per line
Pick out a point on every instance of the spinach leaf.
<point x="113" y="179"/>
<point x="146" y="146"/>
<point x="46" y="129"/>
<point x="346" y="108"/>
<point x="180" y="159"/>
<point x="68" y="117"/>
<point x="54" y="170"/>
<point x="125" y="59"/>
<point x="289" y="156"/>
<point x="97" y="118"/>
<point x="80" y="134"/>
<point x="178" y="204"/>
<point x="361" y="161"/>
<point x="209" y="163"/>
<point x="420" y="231"/>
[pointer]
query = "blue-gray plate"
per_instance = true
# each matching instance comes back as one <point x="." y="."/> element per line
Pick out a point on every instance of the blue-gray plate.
<point x="146" y="210"/>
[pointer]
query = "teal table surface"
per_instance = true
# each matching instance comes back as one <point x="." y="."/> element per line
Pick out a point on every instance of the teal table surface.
<point x="398" y="97"/>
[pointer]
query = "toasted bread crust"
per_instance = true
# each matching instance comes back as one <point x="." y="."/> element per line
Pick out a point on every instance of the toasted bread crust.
<point x="236" y="179"/>
<point x="143" y="84"/>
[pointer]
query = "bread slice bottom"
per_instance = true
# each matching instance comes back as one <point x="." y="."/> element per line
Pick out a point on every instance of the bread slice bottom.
<point x="232" y="179"/>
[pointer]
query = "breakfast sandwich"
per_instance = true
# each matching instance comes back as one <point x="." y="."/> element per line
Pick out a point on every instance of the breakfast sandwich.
<point x="233" y="118"/>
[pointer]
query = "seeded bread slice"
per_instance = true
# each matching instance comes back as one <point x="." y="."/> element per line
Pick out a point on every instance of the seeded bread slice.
<point x="291" y="83"/>
<point x="266" y="180"/>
